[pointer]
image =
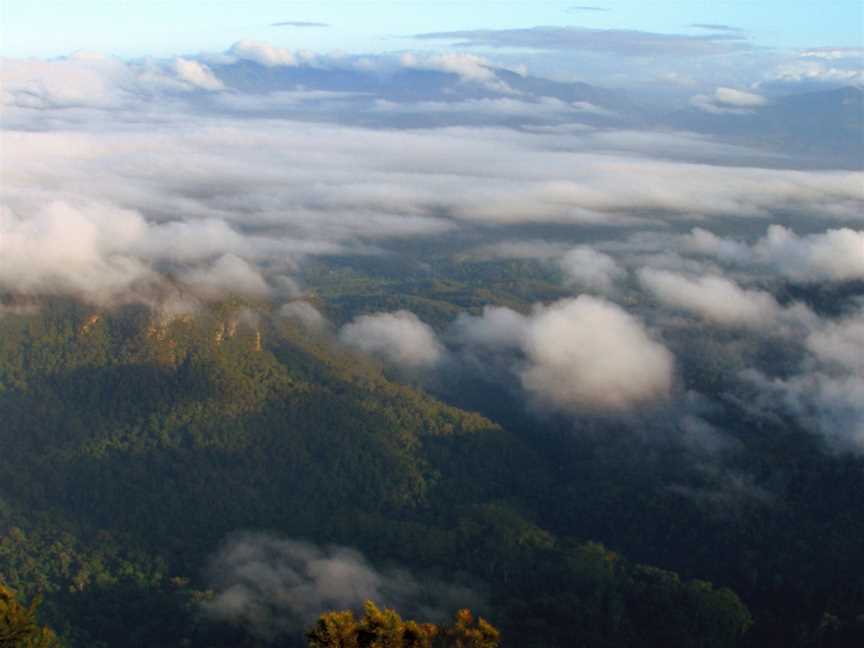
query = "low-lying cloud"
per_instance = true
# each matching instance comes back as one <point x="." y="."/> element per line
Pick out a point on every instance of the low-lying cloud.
<point x="834" y="255"/>
<point x="714" y="298"/>
<point x="305" y="314"/>
<point x="275" y="586"/>
<point x="587" y="353"/>
<point x="582" y="354"/>
<point x="589" y="269"/>
<point x="729" y="101"/>
<point x="399" y="338"/>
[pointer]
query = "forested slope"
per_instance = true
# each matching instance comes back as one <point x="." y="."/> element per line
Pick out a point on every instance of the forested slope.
<point x="134" y="443"/>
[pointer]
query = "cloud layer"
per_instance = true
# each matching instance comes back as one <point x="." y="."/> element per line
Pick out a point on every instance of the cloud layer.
<point x="196" y="177"/>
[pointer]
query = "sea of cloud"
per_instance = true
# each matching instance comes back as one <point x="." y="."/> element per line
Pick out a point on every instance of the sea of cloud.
<point x="121" y="179"/>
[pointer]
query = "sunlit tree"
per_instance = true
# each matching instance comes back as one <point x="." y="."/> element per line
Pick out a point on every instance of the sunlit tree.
<point x="18" y="625"/>
<point x="379" y="628"/>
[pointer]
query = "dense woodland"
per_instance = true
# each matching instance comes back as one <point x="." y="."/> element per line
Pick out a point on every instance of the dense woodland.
<point x="133" y="444"/>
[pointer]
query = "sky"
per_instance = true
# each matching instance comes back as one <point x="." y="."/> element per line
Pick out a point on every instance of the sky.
<point x="135" y="28"/>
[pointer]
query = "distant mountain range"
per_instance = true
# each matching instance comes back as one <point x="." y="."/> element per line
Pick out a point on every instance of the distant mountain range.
<point x="592" y="105"/>
<point x="827" y="126"/>
<point x="824" y="122"/>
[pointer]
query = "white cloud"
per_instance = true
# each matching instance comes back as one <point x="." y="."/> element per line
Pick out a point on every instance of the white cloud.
<point x="582" y="354"/>
<point x="202" y="184"/>
<point x="592" y="270"/>
<point x="228" y="274"/>
<point x="467" y="66"/>
<point x="263" y="54"/>
<point x="92" y="82"/>
<point x="398" y="337"/>
<point x="98" y="82"/>
<point x="728" y="101"/>
<point x="62" y="248"/>
<point x="738" y="98"/>
<point x="835" y="254"/>
<point x="840" y="344"/>
<point x="701" y="241"/>
<point x="196" y="74"/>
<point x="498" y="327"/>
<point x="810" y="70"/>
<point x="586" y="353"/>
<point x="304" y="313"/>
<point x="834" y="53"/>
<point x="713" y="298"/>
<point x="827" y="395"/>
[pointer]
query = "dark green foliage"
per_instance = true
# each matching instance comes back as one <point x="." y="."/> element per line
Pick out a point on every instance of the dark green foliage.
<point x="19" y="627"/>
<point x="131" y="447"/>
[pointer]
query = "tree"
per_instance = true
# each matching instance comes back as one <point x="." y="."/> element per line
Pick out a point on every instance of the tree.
<point x="466" y="634"/>
<point x="379" y="628"/>
<point x="18" y="625"/>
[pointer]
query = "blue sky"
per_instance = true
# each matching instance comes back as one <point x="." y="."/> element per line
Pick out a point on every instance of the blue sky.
<point x="130" y="28"/>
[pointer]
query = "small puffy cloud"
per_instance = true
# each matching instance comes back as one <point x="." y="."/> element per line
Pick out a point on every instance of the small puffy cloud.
<point x="582" y="266"/>
<point x="738" y="98"/>
<point x="468" y="67"/>
<point x="713" y="298"/>
<point x="62" y="248"/>
<point x="189" y="242"/>
<point x="305" y="313"/>
<point x="840" y="344"/>
<point x="228" y="274"/>
<point x="196" y="74"/>
<point x="821" y="71"/>
<point x="263" y="53"/>
<point x="100" y="82"/>
<point x="728" y="101"/>
<point x="399" y="337"/>
<point x="834" y="53"/>
<point x="701" y="241"/>
<point x="498" y="327"/>
<point x="587" y="353"/>
<point x="582" y="354"/>
<point x="102" y="252"/>
<point x="78" y="82"/>
<point x="828" y="394"/>
<point x="587" y="268"/>
<point x="836" y="254"/>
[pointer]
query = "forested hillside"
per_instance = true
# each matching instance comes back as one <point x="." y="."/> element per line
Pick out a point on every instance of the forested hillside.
<point x="133" y="446"/>
<point x="135" y="443"/>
